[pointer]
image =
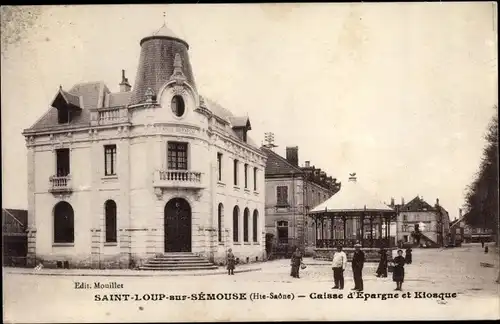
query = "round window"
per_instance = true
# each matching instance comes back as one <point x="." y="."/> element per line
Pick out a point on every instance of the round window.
<point x="178" y="105"/>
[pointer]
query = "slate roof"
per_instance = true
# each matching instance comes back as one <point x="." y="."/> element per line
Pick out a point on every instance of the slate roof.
<point x="156" y="65"/>
<point x="155" y="69"/>
<point x="227" y="115"/>
<point x="71" y="99"/>
<point x="417" y="204"/>
<point x="239" y="122"/>
<point x="276" y="164"/>
<point x="119" y="99"/>
<point x="91" y="93"/>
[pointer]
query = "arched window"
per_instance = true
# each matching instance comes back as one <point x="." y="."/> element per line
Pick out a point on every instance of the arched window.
<point x="110" y="214"/>
<point x="178" y="105"/>
<point x="236" y="216"/>
<point x="220" y="217"/>
<point x="64" y="226"/>
<point x="255" y="225"/>
<point x="246" y="220"/>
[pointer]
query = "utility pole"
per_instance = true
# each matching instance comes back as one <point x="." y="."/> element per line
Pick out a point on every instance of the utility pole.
<point x="269" y="139"/>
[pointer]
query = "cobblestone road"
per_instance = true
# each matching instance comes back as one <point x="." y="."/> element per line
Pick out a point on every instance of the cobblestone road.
<point x="32" y="298"/>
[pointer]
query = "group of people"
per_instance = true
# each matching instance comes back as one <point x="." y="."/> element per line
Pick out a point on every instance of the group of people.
<point x="339" y="265"/>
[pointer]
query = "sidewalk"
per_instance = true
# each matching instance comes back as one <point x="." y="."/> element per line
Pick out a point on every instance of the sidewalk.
<point x="127" y="272"/>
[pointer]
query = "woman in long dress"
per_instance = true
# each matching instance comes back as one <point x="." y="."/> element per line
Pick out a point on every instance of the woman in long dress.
<point x="230" y="262"/>
<point x="382" y="265"/>
<point x="408" y="257"/>
<point x="398" y="274"/>
<point x="295" y="263"/>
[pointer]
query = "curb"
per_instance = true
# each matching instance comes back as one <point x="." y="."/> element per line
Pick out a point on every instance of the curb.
<point x="146" y="273"/>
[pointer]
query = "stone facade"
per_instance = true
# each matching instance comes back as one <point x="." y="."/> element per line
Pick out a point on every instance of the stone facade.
<point x="435" y="219"/>
<point x="143" y="181"/>
<point x="305" y="187"/>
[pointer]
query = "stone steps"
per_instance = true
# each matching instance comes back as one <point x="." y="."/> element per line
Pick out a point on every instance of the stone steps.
<point x="178" y="261"/>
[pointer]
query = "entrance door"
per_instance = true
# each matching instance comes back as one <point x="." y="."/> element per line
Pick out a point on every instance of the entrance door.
<point x="177" y="226"/>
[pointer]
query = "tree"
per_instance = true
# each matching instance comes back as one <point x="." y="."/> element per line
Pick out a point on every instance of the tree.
<point x="482" y="195"/>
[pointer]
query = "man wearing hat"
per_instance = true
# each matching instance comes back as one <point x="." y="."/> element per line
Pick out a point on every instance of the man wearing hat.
<point x="358" y="261"/>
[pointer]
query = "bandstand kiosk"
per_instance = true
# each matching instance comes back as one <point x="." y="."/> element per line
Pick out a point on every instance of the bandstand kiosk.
<point x="352" y="216"/>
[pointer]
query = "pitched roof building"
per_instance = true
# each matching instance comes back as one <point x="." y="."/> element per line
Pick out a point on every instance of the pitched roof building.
<point x="432" y="223"/>
<point x="291" y="191"/>
<point x="155" y="168"/>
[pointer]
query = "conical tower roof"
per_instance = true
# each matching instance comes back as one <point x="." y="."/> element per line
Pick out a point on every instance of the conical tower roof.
<point x="352" y="197"/>
<point x="162" y="53"/>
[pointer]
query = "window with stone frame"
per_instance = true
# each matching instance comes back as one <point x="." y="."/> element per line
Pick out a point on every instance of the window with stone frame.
<point x="235" y="172"/>
<point x="236" y="227"/>
<point x="62" y="162"/>
<point x="110" y="221"/>
<point x="255" y="179"/>
<point x="177" y="105"/>
<point x="282" y="230"/>
<point x="246" y="225"/>
<point x="177" y="156"/>
<point x="220" y="220"/>
<point x="246" y="175"/>
<point x="282" y="196"/>
<point x="64" y="223"/>
<point x="255" y="228"/>
<point x="219" y="166"/>
<point x="110" y="160"/>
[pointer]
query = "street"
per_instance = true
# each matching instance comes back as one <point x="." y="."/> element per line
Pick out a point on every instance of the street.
<point x="38" y="298"/>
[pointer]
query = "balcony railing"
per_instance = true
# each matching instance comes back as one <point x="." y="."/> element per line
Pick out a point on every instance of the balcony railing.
<point x="178" y="179"/>
<point x="60" y="184"/>
<point x="106" y="116"/>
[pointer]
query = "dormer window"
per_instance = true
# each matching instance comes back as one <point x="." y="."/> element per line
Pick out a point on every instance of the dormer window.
<point x="67" y="105"/>
<point x="63" y="116"/>
<point x="240" y="125"/>
<point x="177" y="105"/>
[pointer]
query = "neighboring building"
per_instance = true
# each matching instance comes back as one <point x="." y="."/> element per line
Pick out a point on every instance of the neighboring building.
<point x="115" y="178"/>
<point x="419" y="222"/>
<point x="14" y="237"/>
<point x="456" y="235"/>
<point x="291" y="191"/>
<point x="473" y="234"/>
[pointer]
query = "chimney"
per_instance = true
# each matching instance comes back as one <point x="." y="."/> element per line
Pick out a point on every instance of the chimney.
<point x="392" y="202"/>
<point x="124" y="85"/>
<point x="402" y="201"/>
<point x="460" y="213"/>
<point x="308" y="164"/>
<point x="292" y="155"/>
<point x="437" y="201"/>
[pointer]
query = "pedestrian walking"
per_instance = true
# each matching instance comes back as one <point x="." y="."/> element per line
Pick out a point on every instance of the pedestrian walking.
<point x="408" y="257"/>
<point x="230" y="262"/>
<point x="338" y="265"/>
<point x="382" y="265"/>
<point x="398" y="275"/>
<point x="358" y="261"/>
<point x="295" y="263"/>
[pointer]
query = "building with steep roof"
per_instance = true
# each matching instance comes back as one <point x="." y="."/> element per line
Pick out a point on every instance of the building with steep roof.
<point x="291" y="191"/>
<point x="423" y="224"/>
<point x="117" y="178"/>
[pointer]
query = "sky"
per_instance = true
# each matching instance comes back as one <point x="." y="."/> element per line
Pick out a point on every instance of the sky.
<point x="400" y="93"/>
